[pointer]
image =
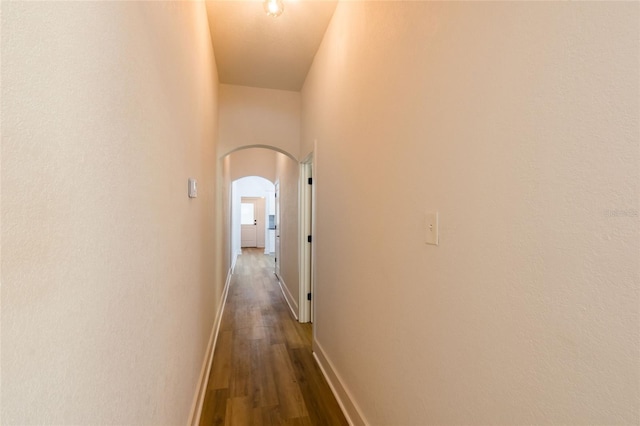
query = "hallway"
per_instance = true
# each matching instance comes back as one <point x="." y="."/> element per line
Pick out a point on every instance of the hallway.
<point x="263" y="370"/>
<point x="475" y="212"/>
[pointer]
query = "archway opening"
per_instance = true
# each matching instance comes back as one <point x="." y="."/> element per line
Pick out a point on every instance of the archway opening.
<point x="282" y="172"/>
<point x="252" y="214"/>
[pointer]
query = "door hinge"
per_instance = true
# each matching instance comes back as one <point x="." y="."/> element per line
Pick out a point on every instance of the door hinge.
<point x="276" y="260"/>
<point x="309" y="238"/>
<point x="308" y="296"/>
<point x="310" y="181"/>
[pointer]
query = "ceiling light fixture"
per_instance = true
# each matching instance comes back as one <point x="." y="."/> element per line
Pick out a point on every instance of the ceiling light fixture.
<point x="273" y="7"/>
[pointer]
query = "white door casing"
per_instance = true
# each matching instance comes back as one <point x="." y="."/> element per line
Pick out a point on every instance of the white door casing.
<point x="277" y="250"/>
<point x="306" y="201"/>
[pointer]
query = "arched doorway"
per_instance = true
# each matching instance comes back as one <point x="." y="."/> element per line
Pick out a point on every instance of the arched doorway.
<point x="252" y="214"/>
<point x="283" y="171"/>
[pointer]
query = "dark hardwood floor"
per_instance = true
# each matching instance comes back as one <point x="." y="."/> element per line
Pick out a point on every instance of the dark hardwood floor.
<point x="263" y="370"/>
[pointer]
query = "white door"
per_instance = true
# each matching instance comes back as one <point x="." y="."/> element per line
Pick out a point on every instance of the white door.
<point x="277" y="205"/>
<point x="248" y="224"/>
<point x="260" y="219"/>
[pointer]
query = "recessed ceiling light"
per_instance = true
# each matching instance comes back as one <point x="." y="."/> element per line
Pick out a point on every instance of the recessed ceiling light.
<point x="273" y="7"/>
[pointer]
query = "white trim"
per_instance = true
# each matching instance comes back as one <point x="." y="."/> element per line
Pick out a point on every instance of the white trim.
<point x="288" y="297"/>
<point x="235" y="259"/>
<point x="314" y="227"/>
<point x="303" y="220"/>
<point x="203" y="382"/>
<point x="278" y="229"/>
<point x="350" y="409"/>
<point x="305" y="225"/>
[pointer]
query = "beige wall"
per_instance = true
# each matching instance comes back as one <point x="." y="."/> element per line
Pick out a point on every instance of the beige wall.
<point x="108" y="284"/>
<point x="518" y="122"/>
<point x="253" y="162"/>
<point x="287" y="172"/>
<point x="223" y="220"/>
<point x="250" y="116"/>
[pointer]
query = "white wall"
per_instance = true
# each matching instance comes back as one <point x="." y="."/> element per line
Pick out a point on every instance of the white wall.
<point x="518" y="122"/>
<point x="252" y="116"/>
<point x="108" y="285"/>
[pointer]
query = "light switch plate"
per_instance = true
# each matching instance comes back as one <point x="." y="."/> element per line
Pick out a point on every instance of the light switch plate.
<point x="193" y="188"/>
<point x="431" y="228"/>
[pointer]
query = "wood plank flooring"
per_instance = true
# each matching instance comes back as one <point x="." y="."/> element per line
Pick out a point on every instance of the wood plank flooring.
<point x="263" y="370"/>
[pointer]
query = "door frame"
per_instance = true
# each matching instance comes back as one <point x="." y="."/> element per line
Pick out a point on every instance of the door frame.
<point x="277" y="261"/>
<point x="306" y="254"/>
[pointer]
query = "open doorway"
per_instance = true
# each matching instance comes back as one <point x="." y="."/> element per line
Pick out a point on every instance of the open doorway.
<point x="252" y="214"/>
<point x="282" y="214"/>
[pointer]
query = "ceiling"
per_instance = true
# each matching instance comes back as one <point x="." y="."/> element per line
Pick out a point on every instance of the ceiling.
<point x="253" y="49"/>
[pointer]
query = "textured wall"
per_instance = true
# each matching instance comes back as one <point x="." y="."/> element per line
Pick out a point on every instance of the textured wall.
<point x="251" y="116"/>
<point x="518" y="122"/>
<point x="108" y="280"/>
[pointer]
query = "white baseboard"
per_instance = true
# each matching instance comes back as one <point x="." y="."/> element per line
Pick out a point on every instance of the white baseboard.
<point x="349" y="408"/>
<point x="235" y="259"/>
<point x="201" y="390"/>
<point x="291" y="301"/>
